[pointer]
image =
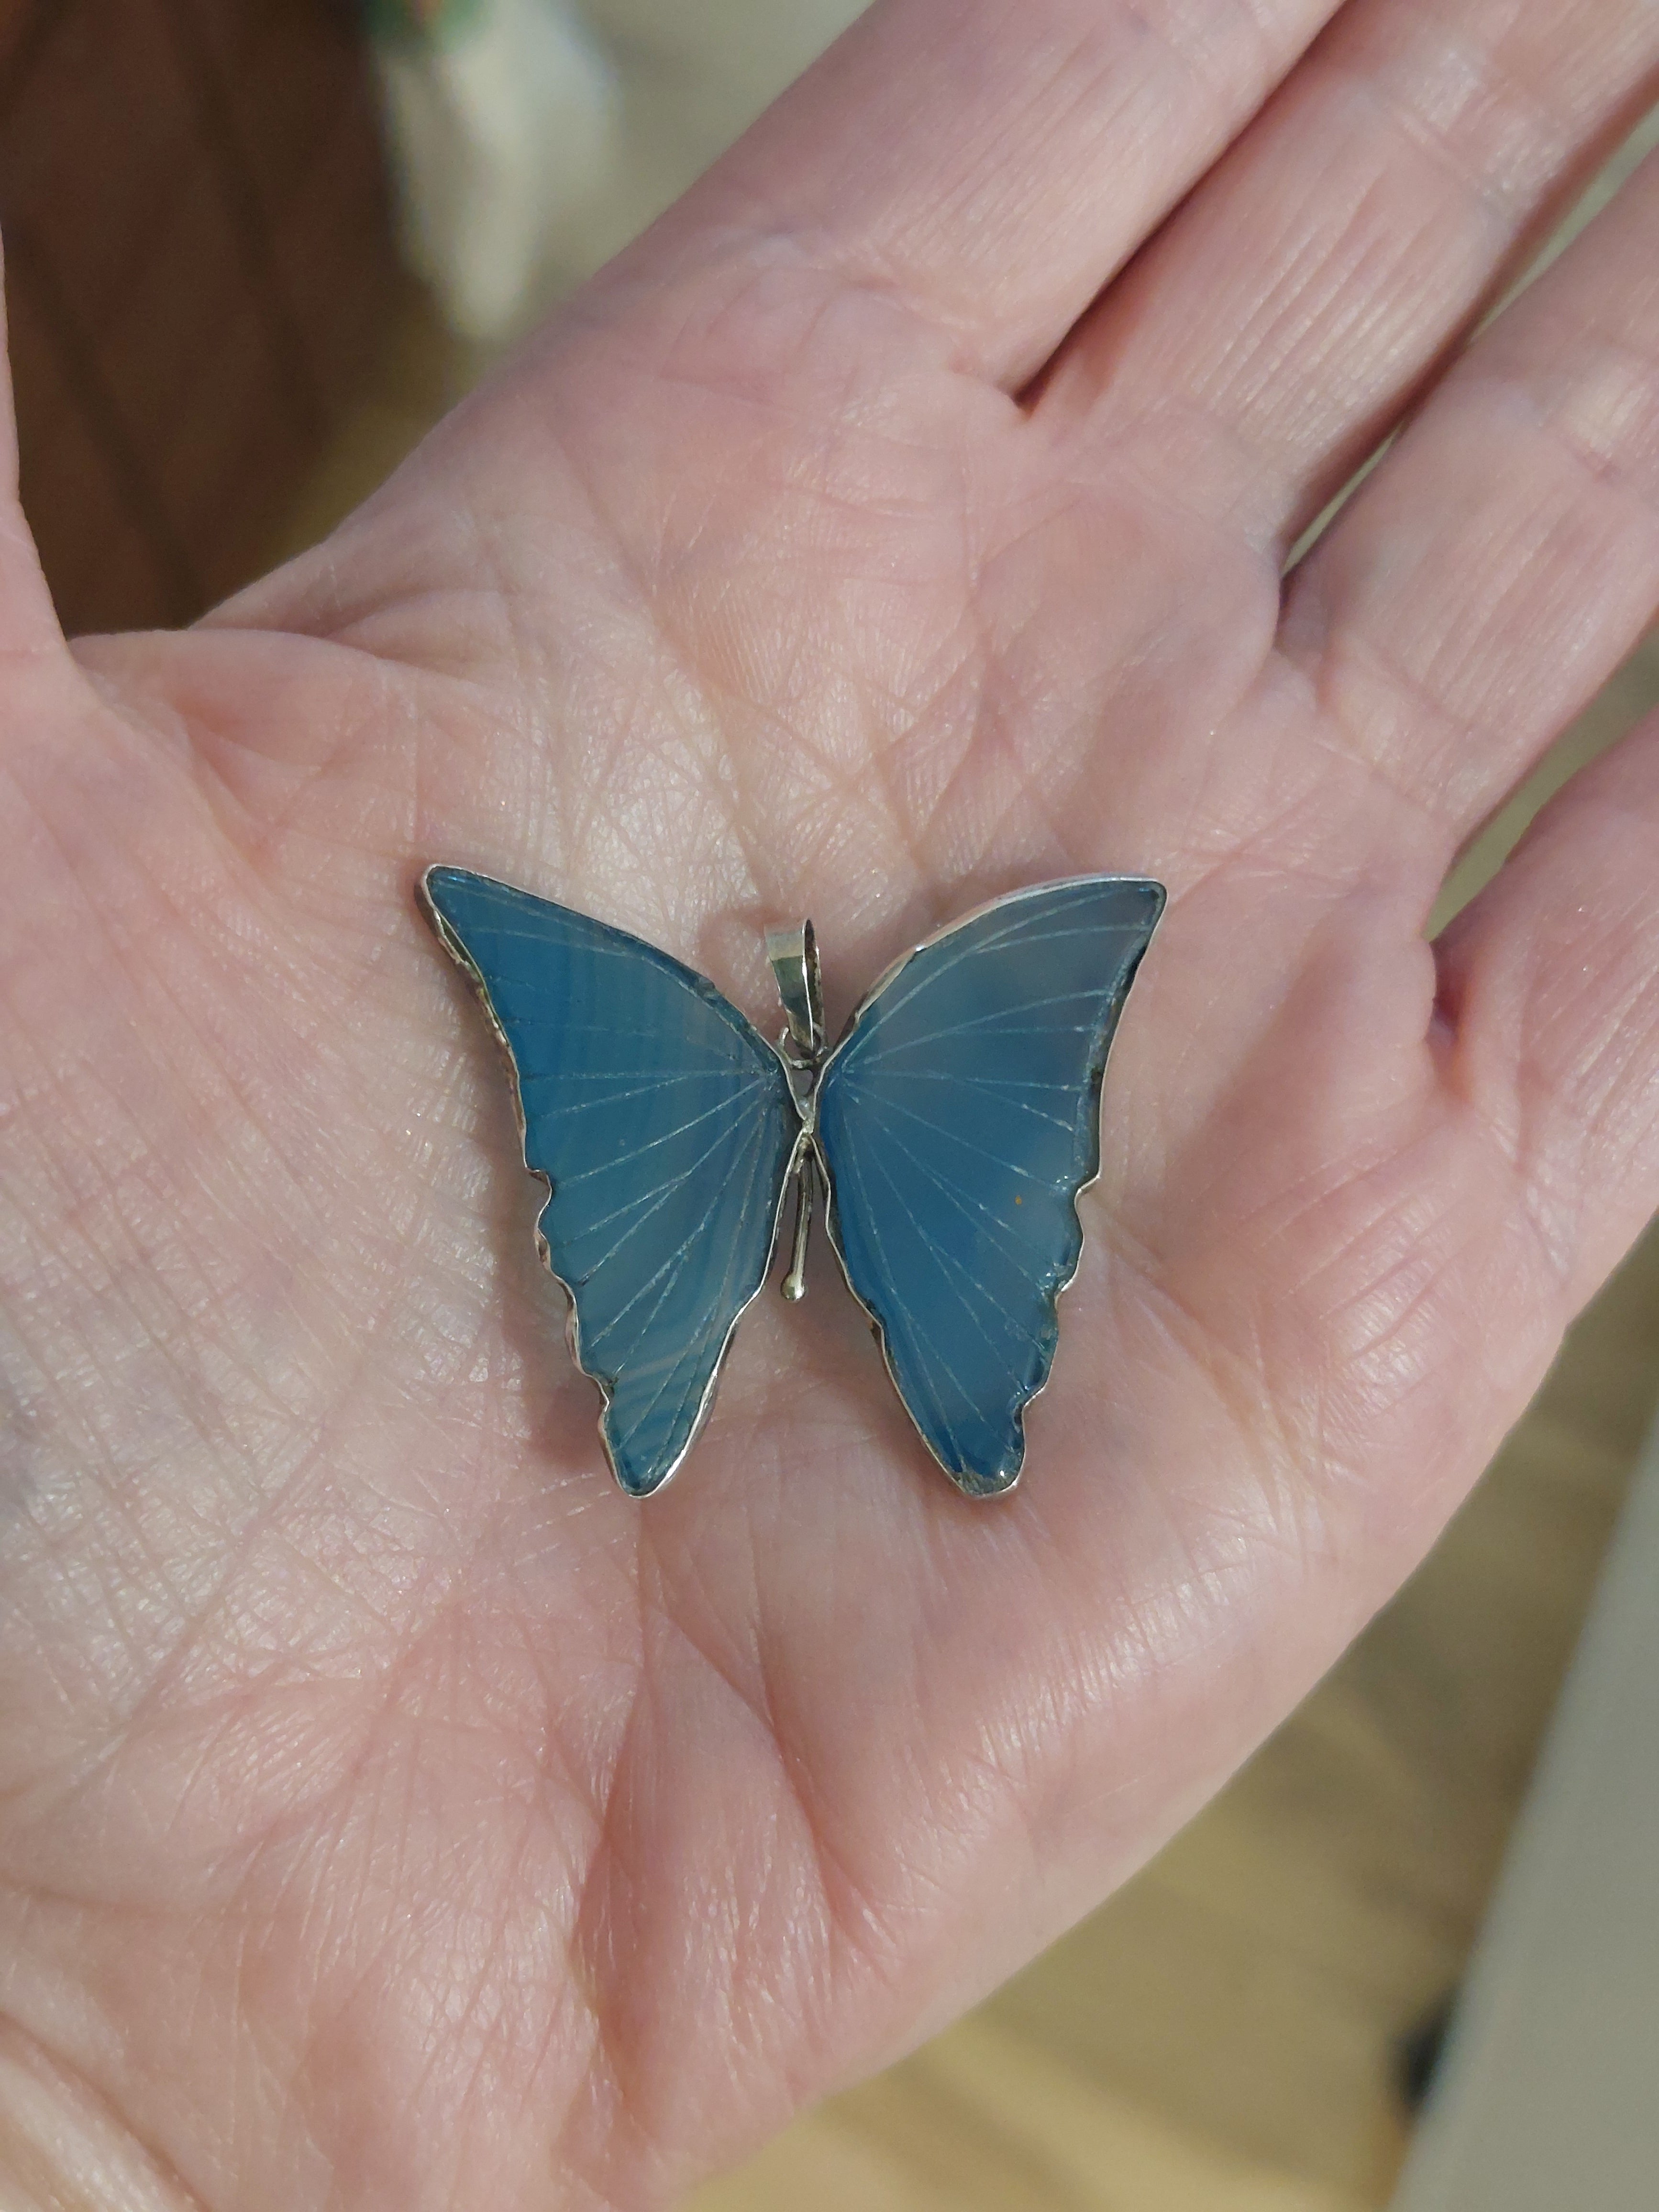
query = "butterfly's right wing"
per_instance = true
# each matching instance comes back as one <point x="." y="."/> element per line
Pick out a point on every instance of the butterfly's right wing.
<point x="663" y="1122"/>
<point x="958" y="1119"/>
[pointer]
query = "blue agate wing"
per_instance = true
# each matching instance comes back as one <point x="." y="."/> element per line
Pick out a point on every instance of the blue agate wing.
<point x="664" y="1124"/>
<point x="957" y="1120"/>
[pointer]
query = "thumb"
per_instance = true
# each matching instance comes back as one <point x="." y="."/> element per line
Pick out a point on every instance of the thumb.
<point x="28" y="622"/>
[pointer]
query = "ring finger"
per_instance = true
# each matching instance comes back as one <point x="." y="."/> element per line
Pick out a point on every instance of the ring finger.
<point x="1505" y="557"/>
<point x="1313" y="281"/>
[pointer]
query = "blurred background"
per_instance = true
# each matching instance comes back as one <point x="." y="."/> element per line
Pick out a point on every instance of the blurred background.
<point x="253" y="248"/>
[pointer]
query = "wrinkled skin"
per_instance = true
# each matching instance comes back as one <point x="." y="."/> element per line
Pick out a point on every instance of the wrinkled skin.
<point x="394" y="1815"/>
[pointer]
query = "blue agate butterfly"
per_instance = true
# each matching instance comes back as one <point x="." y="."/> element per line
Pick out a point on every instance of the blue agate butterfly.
<point x="951" y="1127"/>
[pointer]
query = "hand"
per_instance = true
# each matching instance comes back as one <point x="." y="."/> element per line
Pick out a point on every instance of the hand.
<point x="394" y="1815"/>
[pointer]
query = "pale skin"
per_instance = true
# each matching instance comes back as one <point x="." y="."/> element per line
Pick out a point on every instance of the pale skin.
<point x="392" y="1815"/>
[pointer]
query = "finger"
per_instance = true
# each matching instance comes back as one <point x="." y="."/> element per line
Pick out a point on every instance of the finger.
<point x="1504" y="556"/>
<point x="990" y="164"/>
<point x="1550" y="979"/>
<point x="1326" y="261"/>
<point x="29" y="628"/>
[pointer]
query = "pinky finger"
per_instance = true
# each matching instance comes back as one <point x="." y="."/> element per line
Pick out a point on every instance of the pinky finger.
<point x="1550" y="986"/>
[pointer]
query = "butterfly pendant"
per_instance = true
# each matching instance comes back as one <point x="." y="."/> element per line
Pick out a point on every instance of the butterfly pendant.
<point x="951" y="1129"/>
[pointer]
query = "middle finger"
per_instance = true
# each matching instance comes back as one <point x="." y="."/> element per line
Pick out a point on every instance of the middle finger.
<point x="1303" y="292"/>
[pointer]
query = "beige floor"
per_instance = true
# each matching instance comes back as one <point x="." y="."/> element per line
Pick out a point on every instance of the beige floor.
<point x="1222" y="2036"/>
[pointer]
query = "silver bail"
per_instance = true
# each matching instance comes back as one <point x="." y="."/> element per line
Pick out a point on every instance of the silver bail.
<point x="793" y="954"/>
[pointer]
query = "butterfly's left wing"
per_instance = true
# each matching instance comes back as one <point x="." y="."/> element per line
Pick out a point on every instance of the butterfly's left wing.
<point x="663" y="1123"/>
<point x="958" y="1120"/>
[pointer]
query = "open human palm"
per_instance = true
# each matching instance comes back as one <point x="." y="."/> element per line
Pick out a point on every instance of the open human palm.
<point x="393" y="1814"/>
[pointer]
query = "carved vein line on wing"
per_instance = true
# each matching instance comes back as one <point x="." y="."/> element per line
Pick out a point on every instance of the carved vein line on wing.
<point x="992" y="1083"/>
<point x="646" y="1088"/>
<point x="652" y="1200"/>
<point x="936" y="1132"/>
<point x="670" y="1269"/>
<point x="692" y="1386"/>
<point x="694" y="1354"/>
<point x="920" y="1383"/>
<point x="671" y="1266"/>
<point x="668" y="1137"/>
<point x="979" y="948"/>
<point x="911" y="1324"/>
<point x="996" y="1017"/>
<point x="607" y="1029"/>
<point x="995" y="1334"/>
<point x="1022" y="927"/>
<point x="961" y="1199"/>
<point x="955" y="1266"/>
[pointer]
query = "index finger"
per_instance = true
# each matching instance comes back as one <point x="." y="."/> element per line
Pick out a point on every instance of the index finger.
<point x="992" y="163"/>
